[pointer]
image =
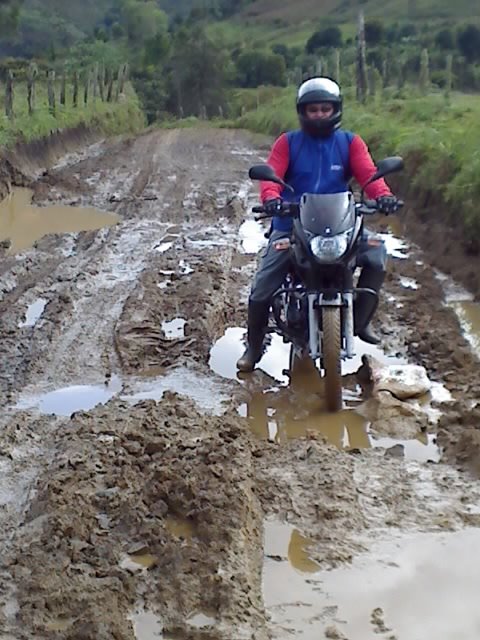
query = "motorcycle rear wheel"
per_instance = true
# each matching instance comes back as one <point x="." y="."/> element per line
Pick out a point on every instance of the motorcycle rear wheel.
<point x="332" y="364"/>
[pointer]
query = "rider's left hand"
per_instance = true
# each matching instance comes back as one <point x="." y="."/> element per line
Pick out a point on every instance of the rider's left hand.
<point x="388" y="204"/>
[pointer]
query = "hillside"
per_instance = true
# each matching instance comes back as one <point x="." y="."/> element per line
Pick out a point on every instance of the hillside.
<point x="346" y="10"/>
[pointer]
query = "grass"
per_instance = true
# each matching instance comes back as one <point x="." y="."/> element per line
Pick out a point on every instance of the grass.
<point x="115" y="117"/>
<point x="346" y="11"/>
<point x="437" y="138"/>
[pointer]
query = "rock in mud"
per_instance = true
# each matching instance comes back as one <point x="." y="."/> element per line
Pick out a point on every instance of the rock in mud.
<point x="401" y="381"/>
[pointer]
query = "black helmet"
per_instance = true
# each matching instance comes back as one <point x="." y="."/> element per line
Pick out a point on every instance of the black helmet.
<point x="320" y="90"/>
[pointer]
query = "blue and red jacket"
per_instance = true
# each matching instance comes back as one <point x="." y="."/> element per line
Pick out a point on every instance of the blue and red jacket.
<point x="319" y="165"/>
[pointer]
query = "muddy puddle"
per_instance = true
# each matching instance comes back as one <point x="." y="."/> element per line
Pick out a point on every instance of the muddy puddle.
<point x="414" y="586"/>
<point x="23" y="224"/>
<point x="276" y="359"/>
<point x="33" y="313"/>
<point x="66" y="401"/>
<point x="466" y="309"/>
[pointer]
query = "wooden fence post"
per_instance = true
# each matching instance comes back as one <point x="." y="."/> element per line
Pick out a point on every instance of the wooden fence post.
<point x="86" y="87"/>
<point x="51" y="92"/>
<point x="63" y="89"/>
<point x="101" y="82"/>
<point x="95" y="82"/>
<point x="75" y="89"/>
<point x="9" y="95"/>
<point x="110" y="86"/>
<point x="449" y="76"/>
<point x="361" y="60"/>
<point x="31" y="77"/>
<point x="336" y="65"/>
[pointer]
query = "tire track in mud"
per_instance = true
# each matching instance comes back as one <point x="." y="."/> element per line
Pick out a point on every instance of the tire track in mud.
<point x="186" y="490"/>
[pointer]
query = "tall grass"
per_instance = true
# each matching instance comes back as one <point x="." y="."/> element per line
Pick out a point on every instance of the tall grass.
<point x="111" y="117"/>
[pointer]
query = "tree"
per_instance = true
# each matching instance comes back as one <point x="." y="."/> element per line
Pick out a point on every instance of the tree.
<point x="374" y="32"/>
<point x="445" y="40"/>
<point x="200" y="73"/>
<point x="9" y="13"/>
<point x="328" y="38"/>
<point x="468" y="41"/>
<point x="257" y="67"/>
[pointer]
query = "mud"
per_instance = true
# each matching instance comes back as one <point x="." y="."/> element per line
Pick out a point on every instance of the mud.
<point x="144" y="482"/>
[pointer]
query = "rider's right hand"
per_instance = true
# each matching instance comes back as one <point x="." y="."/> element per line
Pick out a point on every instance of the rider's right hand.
<point x="273" y="207"/>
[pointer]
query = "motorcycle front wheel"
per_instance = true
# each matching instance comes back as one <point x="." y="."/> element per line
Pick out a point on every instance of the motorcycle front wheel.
<point x="332" y="363"/>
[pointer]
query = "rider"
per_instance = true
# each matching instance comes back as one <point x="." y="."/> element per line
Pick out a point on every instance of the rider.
<point x="320" y="157"/>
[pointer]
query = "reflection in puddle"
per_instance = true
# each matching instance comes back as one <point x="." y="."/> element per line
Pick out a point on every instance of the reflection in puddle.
<point x="23" y="223"/>
<point x="282" y="542"/>
<point x="205" y="393"/>
<point x="65" y="402"/>
<point x="174" y="329"/>
<point x="426" y="586"/>
<point x="200" y="620"/>
<point x="363" y="348"/>
<point x="422" y="449"/>
<point x="163" y="246"/>
<point x="185" y="268"/>
<point x="180" y="527"/>
<point x="251" y="235"/>
<point x="409" y="283"/>
<point x="34" y="313"/>
<point x="146" y="625"/>
<point x="396" y="247"/>
<point x="137" y="563"/>
<point x="281" y="415"/>
<point x="468" y="313"/>
<point x="226" y="351"/>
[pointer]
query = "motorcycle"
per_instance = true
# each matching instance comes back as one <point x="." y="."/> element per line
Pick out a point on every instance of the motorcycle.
<point x="314" y="309"/>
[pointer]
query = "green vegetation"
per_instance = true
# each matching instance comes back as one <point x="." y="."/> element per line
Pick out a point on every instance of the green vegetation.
<point x="108" y="117"/>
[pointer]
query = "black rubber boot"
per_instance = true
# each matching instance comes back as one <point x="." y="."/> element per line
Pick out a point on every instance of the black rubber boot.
<point x="366" y="305"/>
<point x="257" y="325"/>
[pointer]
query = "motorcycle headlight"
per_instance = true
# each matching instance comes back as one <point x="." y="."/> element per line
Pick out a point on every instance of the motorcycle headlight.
<point x="330" y="249"/>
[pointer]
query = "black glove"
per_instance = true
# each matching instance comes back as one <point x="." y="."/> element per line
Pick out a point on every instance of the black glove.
<point x="273" y="207"/>
<point x="388" y="204"/>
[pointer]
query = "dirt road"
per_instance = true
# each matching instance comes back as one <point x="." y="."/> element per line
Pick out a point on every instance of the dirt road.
<point x="146" y="491"/>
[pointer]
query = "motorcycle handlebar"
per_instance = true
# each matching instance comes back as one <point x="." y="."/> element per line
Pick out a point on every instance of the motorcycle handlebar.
<point x="367" y="207"/>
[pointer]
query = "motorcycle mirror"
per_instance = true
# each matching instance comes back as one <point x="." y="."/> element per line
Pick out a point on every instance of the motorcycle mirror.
<point x="385" y="167"/>
<point x="265" y="172"/>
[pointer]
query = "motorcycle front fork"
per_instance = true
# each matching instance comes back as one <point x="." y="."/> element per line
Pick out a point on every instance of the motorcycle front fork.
<point x="315" y="303"/>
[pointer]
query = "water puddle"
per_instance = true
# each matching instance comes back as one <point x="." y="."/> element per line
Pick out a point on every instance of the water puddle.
<point x="409" y="283"/>
<point x="23" y="223"/>
<point x="416" y="586"/>
<point x="396" y="247"/>
<point x="467" y="311"/>
<point x="180" y="527"/>
<point x="34" y="313"/>
<point x="204" y="392"/>
<point x="174" y="329"/>
<point x="65" y="402"/>
<point x="137" y="563"/>
<point x="185" y="268"/>
<point x="468" y="314"/>
<point x="251" y="236"/>
<point x="419" y="586"/>
<point x="275" y="362"/>
<point x="200" y="621"/>
<point x="226" y="351"/>
<point x="146" y="625"/>
<point x="284" y="542"/>
<point x="424" y="448"/>
<point x="163" y="247"/>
